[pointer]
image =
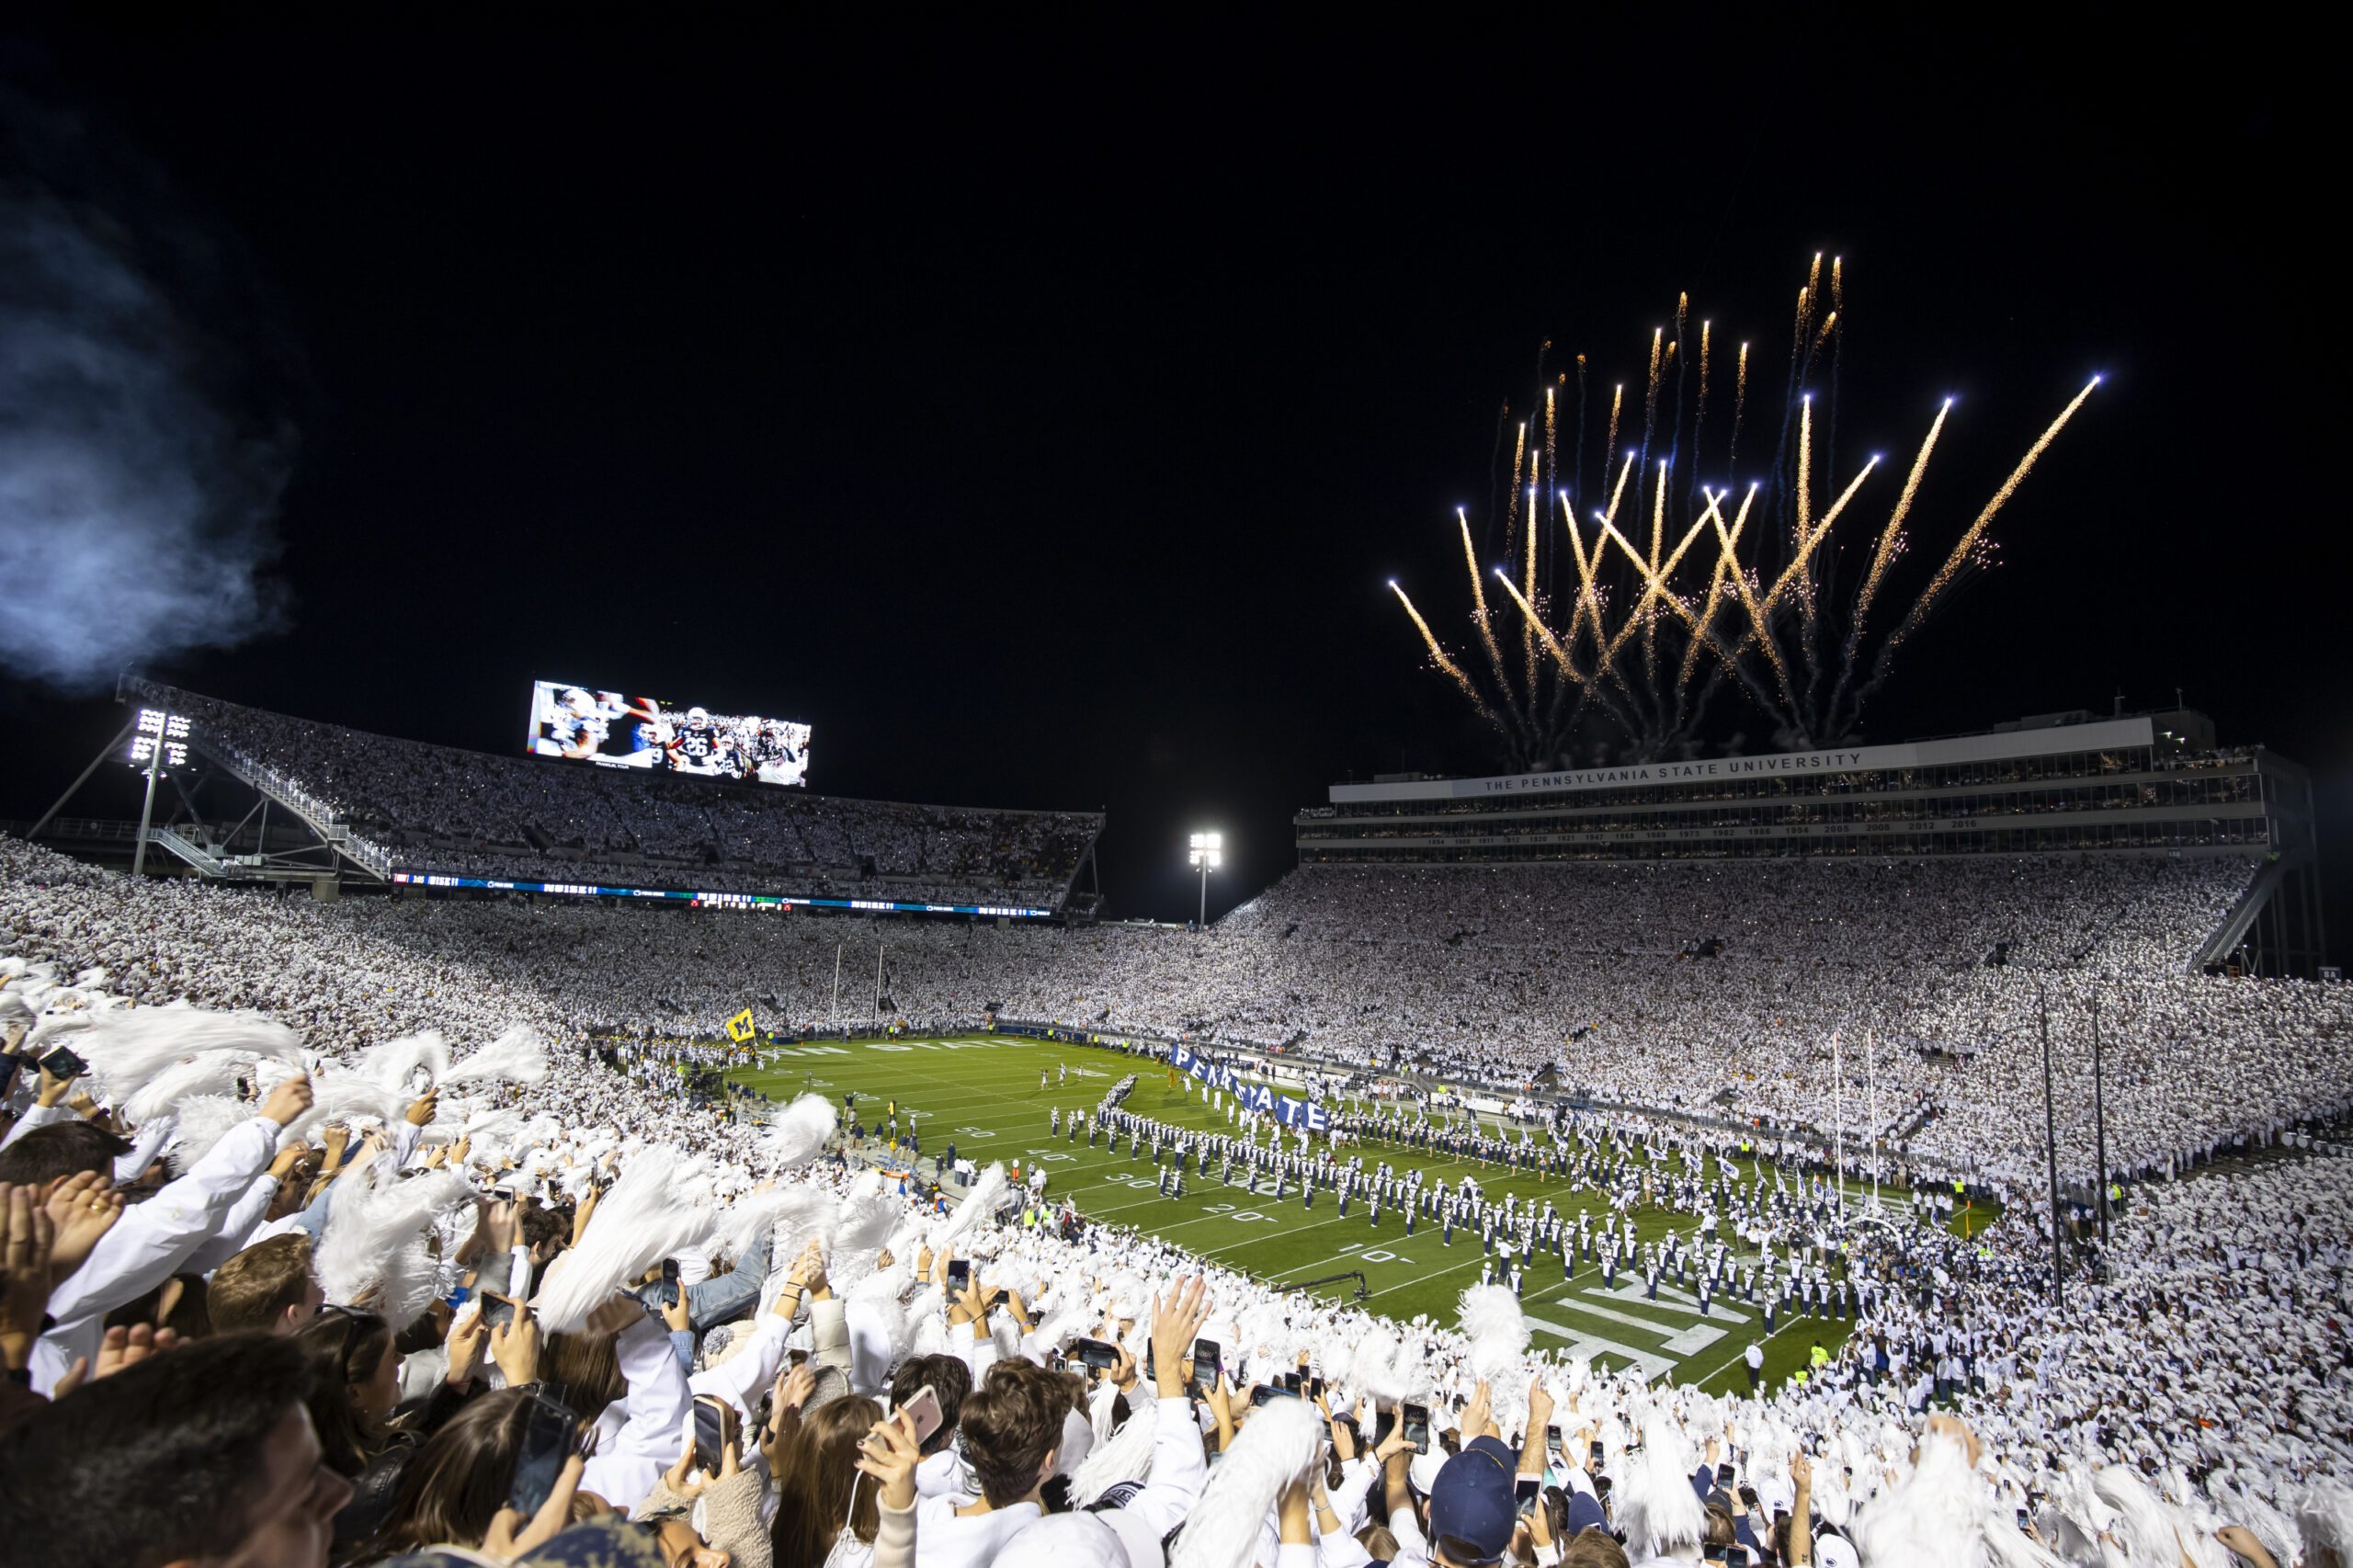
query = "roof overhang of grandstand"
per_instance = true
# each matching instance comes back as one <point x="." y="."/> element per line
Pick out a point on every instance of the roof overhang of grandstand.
<point x="2106" y="735"/>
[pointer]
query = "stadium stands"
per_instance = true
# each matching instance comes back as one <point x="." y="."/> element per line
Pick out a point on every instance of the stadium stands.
<point x="421" y="808"/>
<point x="1471" y="974"/>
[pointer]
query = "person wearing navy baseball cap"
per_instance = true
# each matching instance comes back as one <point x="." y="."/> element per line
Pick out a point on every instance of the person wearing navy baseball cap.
<point x="1472" y="1504"/>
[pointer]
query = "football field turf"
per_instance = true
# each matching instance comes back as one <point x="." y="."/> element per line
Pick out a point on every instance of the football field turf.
<point x="981" y="1093"/>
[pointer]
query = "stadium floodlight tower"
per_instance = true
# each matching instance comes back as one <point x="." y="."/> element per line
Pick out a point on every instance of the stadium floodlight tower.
<point x="1208" y="855"/>
<point x="158" y="744"/>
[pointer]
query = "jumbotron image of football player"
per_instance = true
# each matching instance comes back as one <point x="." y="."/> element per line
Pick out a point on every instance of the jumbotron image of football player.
<point x="698" y="744"/>
<point x="577" y="723"/>
<point x="779" y="752"/>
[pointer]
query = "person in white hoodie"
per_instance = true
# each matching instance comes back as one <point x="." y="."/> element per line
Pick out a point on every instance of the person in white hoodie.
<point x="1013" y="1425"/>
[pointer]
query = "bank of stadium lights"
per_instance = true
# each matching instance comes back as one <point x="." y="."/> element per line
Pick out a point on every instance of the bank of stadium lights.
<point x="158" y="744"/>
<point x="1208" y="853"/>
<point x="160" y="732"/>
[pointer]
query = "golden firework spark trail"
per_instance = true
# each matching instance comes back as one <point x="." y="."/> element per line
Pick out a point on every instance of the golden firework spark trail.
<point x="1893" y="532"/>
<point x="1747" y="594"/>
<point x="1527" y="639"/>
<point x="1527" y="611"/>
<point x="1959" y="556"/>
<point x="1479" y="605"/>
<point x="1699" y="419"/>
<point x="1725" y="565"/>
<point x="1739" y="408"/>
<point x="1589" y="562"/>
<point x="1655" y="577"/>
<point x="1650" y="393"/>
<point x="1511" y="496"/>
<point x="1650" y="622"/>
<point x="1799" y="563"/>
<point x="1795" y="572"/>
<point x="1453" y="670"/>
<point x="1552" y="448"/>
<point x="1617" y="401"/>
<point x="1656" y="587"/>
<point x="1584" y="572"/>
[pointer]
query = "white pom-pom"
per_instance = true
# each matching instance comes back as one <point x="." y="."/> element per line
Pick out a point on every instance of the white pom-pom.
<point x="796" y="1132"/>
<point x="515" y="1057"/>
<point x="648" y="1215"/>
<point x="375" y="1254"/>
<point x="200" y="1122"/>
<point x="1497" y="1328"/>
<point x="1278" y="1445"/>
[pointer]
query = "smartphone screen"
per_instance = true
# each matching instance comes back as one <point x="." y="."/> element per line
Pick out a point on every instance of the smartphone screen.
<point x="1094" y="1354"/>
<point x="1315" y="1388"/>
<point x="1416" y="1418"/>
<point x="1291" y="1383"/>
<point x="64" y="1064"/>
<point x="1552" y="1438"/>
<point x="1528" y="1488"/>
<point x="924" y="1405"/>
<point x="960" y="1270"/>
<point x="710" y="1435"/>
<point x="1596" y="1452"/>
<point x="1724" y="1475"/>
<point x="1267" y="1394"/>
<point x="1735" y="1556"/>
<point x="1205" y="1364"/>
<point x="548" y="1440"/>
<point x="1383" y="1423"/>
<point x="2024" y="1521"/>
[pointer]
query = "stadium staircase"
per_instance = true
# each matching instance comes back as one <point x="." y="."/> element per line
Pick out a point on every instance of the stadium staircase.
<point x="372" y="858"/>
<point x="207" y="864"/>
<point x="2232" y="931"/>
<point x="210" y="864"/>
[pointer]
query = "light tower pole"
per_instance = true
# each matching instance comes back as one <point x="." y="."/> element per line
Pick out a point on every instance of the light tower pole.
<point x="1208" y="853"/>
<point x="160" y="742"/>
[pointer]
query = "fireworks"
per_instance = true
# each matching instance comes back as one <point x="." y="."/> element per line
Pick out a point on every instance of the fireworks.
<point x="1657" y="629"/>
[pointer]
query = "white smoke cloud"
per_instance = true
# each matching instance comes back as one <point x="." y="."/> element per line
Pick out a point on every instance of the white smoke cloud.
<point x="135" y="512"/>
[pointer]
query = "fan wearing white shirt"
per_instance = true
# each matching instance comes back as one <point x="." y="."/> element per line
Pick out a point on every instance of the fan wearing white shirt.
<point x="1013" y="1425"/>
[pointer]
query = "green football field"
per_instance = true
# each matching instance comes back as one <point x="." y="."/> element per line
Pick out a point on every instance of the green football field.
<point x="982" y="1093"/>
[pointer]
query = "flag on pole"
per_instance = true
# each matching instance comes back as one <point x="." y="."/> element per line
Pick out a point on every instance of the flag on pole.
<point x="739" y="1028"/>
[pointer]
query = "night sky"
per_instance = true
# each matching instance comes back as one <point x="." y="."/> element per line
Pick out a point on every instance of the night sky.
<point x="1041" y="420"/>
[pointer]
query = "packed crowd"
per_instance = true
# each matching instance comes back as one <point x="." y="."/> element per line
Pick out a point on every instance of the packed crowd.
<point x="294" y="1285"/>
<point x="1792" y="1024"/>
<point x="438" y="808"/>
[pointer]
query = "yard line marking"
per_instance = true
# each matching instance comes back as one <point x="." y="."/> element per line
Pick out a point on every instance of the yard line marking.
<point x="1717" y="1311"/>
<point x="1592" y="1346"/>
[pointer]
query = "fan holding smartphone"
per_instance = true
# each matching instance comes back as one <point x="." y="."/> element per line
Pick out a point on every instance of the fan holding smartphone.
<point x="711" y="1452"/>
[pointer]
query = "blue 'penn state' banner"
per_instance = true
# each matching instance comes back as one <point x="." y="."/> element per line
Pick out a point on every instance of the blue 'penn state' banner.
<point x="1299" y="1113"/>
<point x="1215" y="1075"/>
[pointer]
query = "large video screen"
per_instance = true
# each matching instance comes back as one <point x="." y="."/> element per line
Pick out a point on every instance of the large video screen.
<point x="611" y="730"/>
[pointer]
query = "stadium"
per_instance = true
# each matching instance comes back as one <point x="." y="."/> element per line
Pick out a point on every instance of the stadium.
<point x="1627" y="1073"/>
<point x="1696" y="1105"/>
